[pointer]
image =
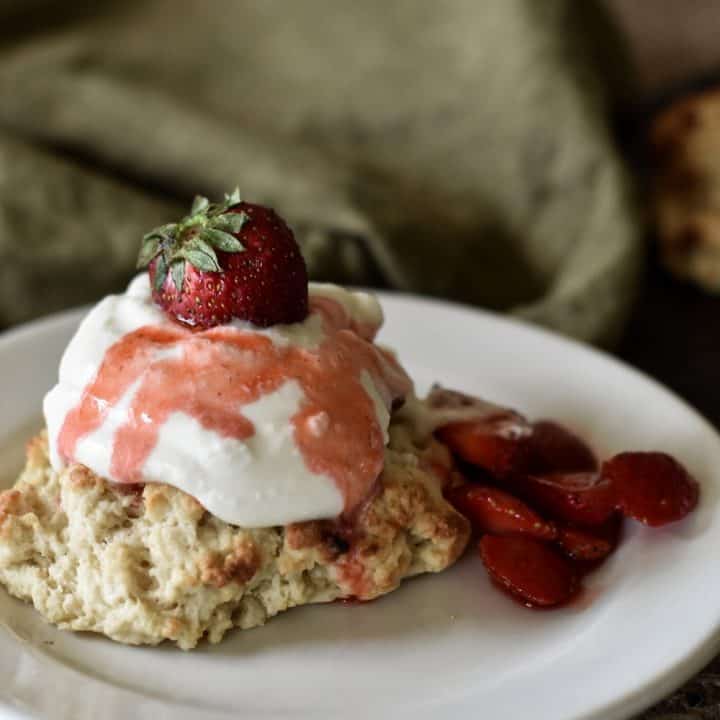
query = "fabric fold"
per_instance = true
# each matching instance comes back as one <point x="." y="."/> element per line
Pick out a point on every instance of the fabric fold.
<point x="457" y="149"/>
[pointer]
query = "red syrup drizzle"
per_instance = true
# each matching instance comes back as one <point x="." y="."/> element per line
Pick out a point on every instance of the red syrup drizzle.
<point x="213" y="373"/>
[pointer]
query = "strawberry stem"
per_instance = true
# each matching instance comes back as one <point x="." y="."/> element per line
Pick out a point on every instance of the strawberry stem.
<point x="194" y="239"/>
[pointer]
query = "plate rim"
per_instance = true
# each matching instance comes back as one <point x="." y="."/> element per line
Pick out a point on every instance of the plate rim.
<point x="652" y="690"/>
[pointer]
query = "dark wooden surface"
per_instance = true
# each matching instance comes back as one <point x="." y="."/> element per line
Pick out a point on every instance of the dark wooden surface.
<point x="674" y="336"/>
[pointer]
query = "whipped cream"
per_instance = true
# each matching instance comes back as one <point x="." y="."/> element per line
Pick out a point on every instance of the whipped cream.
<point x="443" y="406"/>
<point x="262" y="426"/>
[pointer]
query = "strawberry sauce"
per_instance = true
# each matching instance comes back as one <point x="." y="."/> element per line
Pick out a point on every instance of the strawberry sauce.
<point x="210" y="375"/>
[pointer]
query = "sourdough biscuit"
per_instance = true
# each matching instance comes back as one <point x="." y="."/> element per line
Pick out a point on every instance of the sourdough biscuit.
<point x="685" y="146"/>
<point x="144" y="564"/>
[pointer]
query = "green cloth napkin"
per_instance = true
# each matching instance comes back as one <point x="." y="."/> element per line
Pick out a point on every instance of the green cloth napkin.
<point x="460" y="149"/>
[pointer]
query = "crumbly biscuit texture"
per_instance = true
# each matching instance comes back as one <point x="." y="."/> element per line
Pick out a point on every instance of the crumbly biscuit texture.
<point x="145" y="564"/>
<point x="685" y="146"/>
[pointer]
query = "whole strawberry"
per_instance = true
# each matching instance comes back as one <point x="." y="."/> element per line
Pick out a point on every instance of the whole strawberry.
<point x="227" y="260"/>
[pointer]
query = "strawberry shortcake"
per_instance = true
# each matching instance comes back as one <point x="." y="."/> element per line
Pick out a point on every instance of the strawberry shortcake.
<point x="227" y="440"/>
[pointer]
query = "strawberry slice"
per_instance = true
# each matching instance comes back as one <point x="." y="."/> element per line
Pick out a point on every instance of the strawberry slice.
<point x="493" y="511"/>
<point x="590" y="544"/>
<point x="554" y="448"/>
<point x="529" y="569"/>
<point x="497" y="443"/>
<point x="584" y="499"/>
<point x="651" y="487"/>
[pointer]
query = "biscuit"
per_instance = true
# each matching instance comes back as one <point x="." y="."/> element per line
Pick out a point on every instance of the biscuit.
<point x="685" y="148"/>
<point x="146" y="564"/>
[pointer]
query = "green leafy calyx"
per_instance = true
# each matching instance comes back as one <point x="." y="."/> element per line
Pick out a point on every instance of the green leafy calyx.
<point x="208" y="227"/>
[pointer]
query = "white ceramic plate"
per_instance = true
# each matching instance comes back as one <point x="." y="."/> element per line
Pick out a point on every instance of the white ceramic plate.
<point x="444" y="646"/>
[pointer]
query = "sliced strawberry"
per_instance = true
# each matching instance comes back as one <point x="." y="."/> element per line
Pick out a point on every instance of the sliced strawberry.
<point x="553" y="448"/>
<point x="584" y="499"/>
<point x="529" y="569"/>
<point x="497" y="443"/>
<point x="590" y="544"/>
<point x="493" y="511"/>
<point x="651" y="487"/>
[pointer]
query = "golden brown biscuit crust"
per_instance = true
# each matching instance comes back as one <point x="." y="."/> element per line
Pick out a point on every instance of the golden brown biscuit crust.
<point x="144" y="564"/>
<point x="685" y="148"/>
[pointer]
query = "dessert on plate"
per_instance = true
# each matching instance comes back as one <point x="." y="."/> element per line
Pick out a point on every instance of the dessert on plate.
<point x="227" y="441"/>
